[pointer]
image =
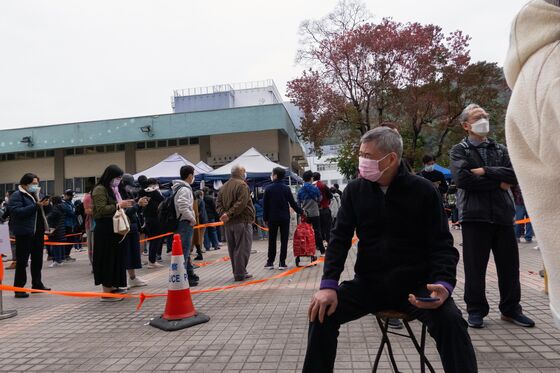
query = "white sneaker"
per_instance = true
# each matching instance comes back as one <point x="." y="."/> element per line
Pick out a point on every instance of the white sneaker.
<point x="137" y="282"/>
<point x="284" y="267"/>
<point x="536" y="248"/>
<point x="154" y="265"/>
<point x="55" y="264"/>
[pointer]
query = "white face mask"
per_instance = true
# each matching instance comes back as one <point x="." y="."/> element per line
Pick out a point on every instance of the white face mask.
<point x="481" y="127"/>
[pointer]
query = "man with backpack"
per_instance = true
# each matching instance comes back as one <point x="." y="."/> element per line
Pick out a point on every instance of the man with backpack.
<point x="484" y="176"/>
<point x="308" y="198"/>
<point x="184" y="212"/>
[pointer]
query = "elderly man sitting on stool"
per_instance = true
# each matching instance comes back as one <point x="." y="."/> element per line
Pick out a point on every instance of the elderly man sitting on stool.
<point x="405" y="251"/>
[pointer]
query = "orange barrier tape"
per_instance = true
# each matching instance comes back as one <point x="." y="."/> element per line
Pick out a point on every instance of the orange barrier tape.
<point x="263" y="228"/>
<point x="206" y="264"/>
<point x="524" y="221"/>
<point x="143" y="296"/>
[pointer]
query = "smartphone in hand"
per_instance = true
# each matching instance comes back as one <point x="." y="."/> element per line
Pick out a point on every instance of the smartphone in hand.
<point x="427" y="299"/>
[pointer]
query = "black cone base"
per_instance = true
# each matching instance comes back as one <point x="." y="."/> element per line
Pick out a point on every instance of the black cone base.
<point x="172" y="325"/>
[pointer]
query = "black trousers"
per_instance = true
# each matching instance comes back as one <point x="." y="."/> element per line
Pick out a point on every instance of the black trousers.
<point x="326" y="223"/>
<point x="29" y="246"/>
<point x="445" y="325"/>
<point x="478" y="240"/>
<point x="273" y="226"/>
<point x="316" y="223"/>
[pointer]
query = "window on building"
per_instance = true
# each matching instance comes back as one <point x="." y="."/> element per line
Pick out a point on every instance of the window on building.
<point x="172" y="142"/>
<point x="162" y="143"/>
<point x="151" y="144"/>
<point x="50" y="187"/>
<point x="100" y="149"/>
<point x="79" y="151"/>
<point x="40" y="154"/>
<point x="110" y="148"/>
<point x="120" y="147"/>
<point x="141" y="145"/>
<point x="11" y="157"/>
<point x="184" y="141"/>
<point x="50" y="153"/>
<point x="68" y="184"/>
<point x="89" y="150"/>
<point x="69" y="151"/>
<point x="78" y="185"/>
<point x="193" y="141"/>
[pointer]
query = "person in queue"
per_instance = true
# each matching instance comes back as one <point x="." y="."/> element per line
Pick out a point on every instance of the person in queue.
<point x="184" y="200"/>
<point x="484" y="175"/>
<point x="56" y="219"/>
<point x="109" y="256"/>
<point x="308" y="198"/>
<point x="278" y="199"/>
<point x="153" y="227"/>
<point x="405" y="251"/>
<point x="131" y="242"/>
<point x="29" y="223"/>
<point x="236" y="210"/>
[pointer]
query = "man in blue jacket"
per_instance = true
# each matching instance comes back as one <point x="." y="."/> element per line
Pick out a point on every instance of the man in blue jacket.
<point x="276" y="213"/>
<point x="308" y="198"/>
<point x="70" y="221"/>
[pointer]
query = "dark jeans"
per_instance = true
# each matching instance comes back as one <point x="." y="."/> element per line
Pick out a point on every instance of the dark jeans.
<point x="520" y="214"/>
<point x="154" y="249"/>
<point x="273" y="226"/>
<point x="316" y="223"/>
<point x="29" y="246"/>
<point x="326" y="221"/>
<point x="211" y="236"/>
<point x="478" y="240"/>
<point x="68" y="248"/>
<point x="445" y="325"/>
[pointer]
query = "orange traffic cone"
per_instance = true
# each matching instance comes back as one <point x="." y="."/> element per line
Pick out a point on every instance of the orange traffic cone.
<point x="179" y="310"/>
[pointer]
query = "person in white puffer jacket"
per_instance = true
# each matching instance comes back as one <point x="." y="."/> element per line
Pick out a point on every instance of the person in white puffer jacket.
<point x="532" y="70"/>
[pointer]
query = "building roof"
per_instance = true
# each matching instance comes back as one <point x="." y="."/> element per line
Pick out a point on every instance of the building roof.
<point x="164" y="126"/>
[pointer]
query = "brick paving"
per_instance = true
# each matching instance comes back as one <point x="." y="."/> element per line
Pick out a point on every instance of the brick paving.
<point x="260" y="328"/>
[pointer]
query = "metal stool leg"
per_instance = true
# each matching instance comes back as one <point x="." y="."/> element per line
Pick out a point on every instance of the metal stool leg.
<point x="384" y="326"/>
<point x="420" y="347"/>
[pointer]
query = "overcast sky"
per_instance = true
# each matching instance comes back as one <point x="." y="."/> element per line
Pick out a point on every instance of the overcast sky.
<point x="68" y="61"/>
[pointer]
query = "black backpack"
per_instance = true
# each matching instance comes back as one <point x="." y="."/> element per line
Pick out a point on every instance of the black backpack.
<point x="167" y="215"/>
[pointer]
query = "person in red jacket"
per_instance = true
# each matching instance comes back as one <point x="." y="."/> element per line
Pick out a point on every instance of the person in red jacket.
<point x="324" y="206"/>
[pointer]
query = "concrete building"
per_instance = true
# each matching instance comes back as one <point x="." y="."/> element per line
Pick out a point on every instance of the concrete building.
<point x="208" y="124"/>
<point x="326" y="167"/>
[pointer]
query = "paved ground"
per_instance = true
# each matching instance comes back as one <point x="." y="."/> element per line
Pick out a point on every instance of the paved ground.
<point x="257" y="328"/>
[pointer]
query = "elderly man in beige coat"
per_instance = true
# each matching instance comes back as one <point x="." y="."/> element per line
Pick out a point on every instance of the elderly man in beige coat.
<point x="532" y="71"/>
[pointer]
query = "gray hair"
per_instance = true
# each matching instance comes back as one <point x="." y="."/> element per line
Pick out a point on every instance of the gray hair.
<point x="464" y="116"/>
<point x="387" y="140"/>
<point x="236" y="170"/>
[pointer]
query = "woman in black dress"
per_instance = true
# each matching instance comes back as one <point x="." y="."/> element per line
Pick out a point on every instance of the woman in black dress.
<point x="109" y="257"/>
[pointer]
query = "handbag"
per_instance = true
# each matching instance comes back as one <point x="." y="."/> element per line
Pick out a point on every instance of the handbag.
<point x="121" y="224"/>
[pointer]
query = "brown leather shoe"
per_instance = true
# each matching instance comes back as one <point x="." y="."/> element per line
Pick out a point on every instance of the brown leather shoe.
<point x="12" y="265"/>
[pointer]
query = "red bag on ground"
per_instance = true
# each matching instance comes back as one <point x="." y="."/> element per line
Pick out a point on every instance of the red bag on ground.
<point x="304" y="241"/>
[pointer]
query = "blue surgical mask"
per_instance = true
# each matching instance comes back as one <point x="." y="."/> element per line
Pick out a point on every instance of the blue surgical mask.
<point x="33" y="188"/>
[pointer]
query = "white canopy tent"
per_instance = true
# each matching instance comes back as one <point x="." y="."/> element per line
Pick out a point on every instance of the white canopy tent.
<point x="204" y="166"/>
<point x="256" y="165"/>
<point x="169" y="168"/>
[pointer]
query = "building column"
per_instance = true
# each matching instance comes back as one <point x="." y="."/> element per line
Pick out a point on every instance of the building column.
<point x="284" y="150"/>
<point x="130" y="158"/>
<point x="204" y="148"/>
<point x="59" y="174"/>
